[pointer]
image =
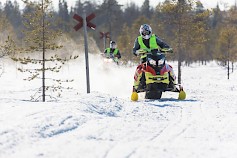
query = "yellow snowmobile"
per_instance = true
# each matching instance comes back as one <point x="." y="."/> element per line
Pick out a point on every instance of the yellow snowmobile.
<point x="154" y="77"/>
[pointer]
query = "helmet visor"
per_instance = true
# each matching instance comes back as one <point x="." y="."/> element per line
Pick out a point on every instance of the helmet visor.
<point x="146" y="32"/>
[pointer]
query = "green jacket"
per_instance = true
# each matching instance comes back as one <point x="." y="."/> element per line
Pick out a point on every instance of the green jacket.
<point x="108" y="50"/>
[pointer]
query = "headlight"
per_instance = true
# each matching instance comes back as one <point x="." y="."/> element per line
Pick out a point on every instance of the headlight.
<point x="152" y="62"/>
<point x="161" y="62"/>
<point x="108" y="60"/>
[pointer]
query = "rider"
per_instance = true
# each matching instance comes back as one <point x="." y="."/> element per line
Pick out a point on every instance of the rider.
<point x="112" y="50"/>
<point x="151" y="42"/>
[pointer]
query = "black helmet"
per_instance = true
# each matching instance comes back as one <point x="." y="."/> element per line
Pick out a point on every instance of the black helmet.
<point x="113" y="44"/>
<point x="145" y="31"/>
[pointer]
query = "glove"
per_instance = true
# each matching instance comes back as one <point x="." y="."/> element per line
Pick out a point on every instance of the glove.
<point x="170" y="50"/>
<point x="117" y="56"/>
<point x="141" y="52"/>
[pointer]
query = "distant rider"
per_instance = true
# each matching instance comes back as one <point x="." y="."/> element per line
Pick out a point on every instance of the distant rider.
<point x="112" y="51"/>
<point x="152" y="43"/>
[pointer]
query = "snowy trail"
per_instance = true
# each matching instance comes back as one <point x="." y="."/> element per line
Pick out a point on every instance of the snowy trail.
<point x="105" y="125"/>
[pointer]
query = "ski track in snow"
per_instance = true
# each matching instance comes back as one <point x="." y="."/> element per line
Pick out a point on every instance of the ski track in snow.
<point x="106" y="124"/>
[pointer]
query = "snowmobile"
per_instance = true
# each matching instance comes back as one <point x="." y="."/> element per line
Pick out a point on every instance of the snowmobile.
<point x="110" y="58"/>
<point x="154" y="77"/>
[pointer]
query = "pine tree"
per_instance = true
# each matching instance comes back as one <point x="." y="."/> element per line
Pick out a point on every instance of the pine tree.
<point x="125" y="43"/>
<point x="63" y="14"/>
<point x="217" y="17"/>
<point x="13" y="14"/>
<point x="179" y="21"/>
<point x="40" y="40"/>
<point x="199" y="48"/>
<point x="7" y="48"/>
<point x="7" y="36"/>
<point x="131" y="13"/>
<point x="146" y="9"/>
<point x="112" y="13"/>
<point x="227" y="40"/>
<point x="7" y="44"/>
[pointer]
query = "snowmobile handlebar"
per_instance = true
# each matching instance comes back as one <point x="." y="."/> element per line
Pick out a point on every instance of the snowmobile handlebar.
<point x="161" y="51"/>
<point x="111" y="56"/>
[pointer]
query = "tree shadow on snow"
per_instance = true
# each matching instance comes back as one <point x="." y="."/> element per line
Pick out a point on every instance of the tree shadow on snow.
<point x="161" y="105"/>
<point x="176" y="100"/>
<point x="155" y="102"/>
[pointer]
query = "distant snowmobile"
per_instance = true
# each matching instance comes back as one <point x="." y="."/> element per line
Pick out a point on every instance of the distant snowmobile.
<point x="154" y="77"/>
<point x="110" y="58"/>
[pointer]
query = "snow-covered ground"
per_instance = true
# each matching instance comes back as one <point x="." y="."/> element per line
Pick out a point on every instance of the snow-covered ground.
<point x="106" y="124"/>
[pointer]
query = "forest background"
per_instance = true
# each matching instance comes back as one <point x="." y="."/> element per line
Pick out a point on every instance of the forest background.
<point x="194" y="32"/>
